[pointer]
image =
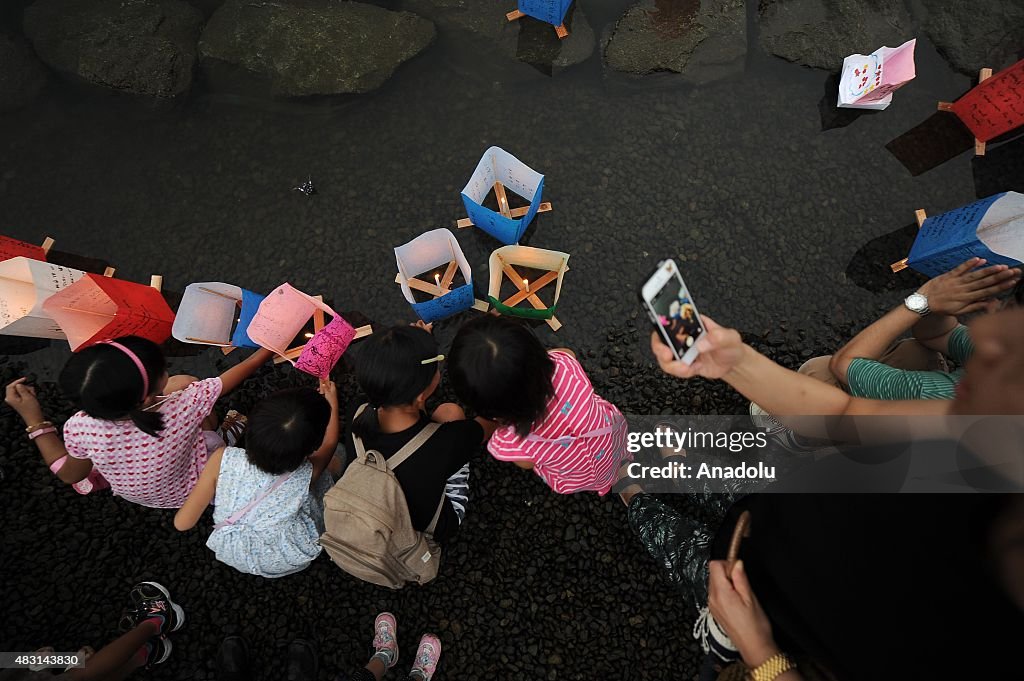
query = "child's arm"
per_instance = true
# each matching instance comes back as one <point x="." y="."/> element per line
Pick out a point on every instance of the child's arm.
<point x="565" y="350"/>
<point x="233" y="377"/>
<point x="22" y="399"/>
<point x="321" y="458"/>
<point x="202" y="494"/>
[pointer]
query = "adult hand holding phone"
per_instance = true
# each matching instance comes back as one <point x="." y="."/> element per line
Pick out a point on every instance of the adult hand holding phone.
<point x="720" y="350"/>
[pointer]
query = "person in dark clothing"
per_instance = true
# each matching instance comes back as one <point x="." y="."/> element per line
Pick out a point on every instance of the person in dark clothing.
<point x="397" y="370"/>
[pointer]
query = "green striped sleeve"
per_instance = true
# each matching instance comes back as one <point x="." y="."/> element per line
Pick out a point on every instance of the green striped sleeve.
<point x="959" y="346"/>
<point x="874" y="380"/>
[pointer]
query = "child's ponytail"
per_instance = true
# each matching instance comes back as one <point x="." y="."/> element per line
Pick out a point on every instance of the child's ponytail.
<point x="366" y="423"/>
<point x="149" y="422"/>
<point x="112" y="380"/>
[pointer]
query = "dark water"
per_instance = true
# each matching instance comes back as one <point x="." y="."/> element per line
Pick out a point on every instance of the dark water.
<point x="736" y="178"/>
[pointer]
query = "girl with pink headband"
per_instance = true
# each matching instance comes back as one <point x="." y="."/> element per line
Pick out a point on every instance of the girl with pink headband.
<point x="146" y="434"/>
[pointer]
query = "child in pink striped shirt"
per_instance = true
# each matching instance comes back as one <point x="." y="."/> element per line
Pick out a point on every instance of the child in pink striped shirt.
<point x="551" y="419"/>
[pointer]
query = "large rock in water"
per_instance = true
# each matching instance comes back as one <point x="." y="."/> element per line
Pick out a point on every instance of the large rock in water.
<point x="21" y="74"/>
<point x="821" y="33"/>
<point x="146" y="47"/>
<point x="976" y="34"/>
<point x="701" y="39"/>
<point x="315" y="47"/>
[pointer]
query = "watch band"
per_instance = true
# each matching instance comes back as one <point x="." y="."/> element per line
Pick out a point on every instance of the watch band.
<point x="771" y="668"/>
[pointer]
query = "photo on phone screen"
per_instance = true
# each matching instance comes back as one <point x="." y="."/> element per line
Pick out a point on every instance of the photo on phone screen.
<point x="675" y="313"/>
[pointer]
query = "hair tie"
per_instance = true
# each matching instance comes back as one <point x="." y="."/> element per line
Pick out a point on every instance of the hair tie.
<point x="138" y="363"/>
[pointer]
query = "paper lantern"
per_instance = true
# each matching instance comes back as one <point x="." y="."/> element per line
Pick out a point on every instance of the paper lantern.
<point x="995" y="106"/>
<point x="281" y="317"/>
<point x="550" y="11"/>
<point x="992" y="229"/>
<point x="325" y="348"/>
<point x="503" y="263"/>
<point x="12" y="248"/>
<point x="25" y="285"/>
<point x="429" y="251"/>
<point x="97" y="308"/>
<point x="868" y="80"/>
<point x="499" y="170"/>
<point x="208" y="312"/>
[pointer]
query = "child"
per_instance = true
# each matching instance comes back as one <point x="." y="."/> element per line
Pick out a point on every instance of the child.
<point x="269" y="496"/>
<point x="148" y="435"/>
<point x="397" y="370"/>
<point x="551" y="419"/>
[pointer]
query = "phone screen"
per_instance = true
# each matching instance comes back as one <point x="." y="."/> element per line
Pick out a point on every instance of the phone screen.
<point x="677" y="315"/>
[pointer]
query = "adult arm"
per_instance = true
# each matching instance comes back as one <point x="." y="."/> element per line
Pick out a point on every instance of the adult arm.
<point x="964" y="289"/>
<point x="201" y="496"/>
<point x="236" y="375"/>
<point x="736" y="609"/>
<point x="781" y="392"/>
<point x="22" y="398"/>
<point x="321" y="458"/>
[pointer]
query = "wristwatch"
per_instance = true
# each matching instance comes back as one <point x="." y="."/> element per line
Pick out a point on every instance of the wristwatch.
<point x="917" y="302"/>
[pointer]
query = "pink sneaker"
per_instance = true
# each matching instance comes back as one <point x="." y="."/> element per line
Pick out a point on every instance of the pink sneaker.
<point x="385" y="637"/>
<point x="427" y="656"/>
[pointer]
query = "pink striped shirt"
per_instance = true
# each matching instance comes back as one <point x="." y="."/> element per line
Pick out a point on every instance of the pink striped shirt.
<point x="576" y="465"/>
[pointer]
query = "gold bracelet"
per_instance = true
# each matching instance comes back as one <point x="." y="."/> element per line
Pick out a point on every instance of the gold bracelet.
<point x="772" y="668"/>
<point x="41" y="424"/>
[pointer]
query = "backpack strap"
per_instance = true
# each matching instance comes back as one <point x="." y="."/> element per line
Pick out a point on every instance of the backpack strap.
<point x="417" y="441"/>
<point x="281" y="479"/>
<point x="437" y="516"/>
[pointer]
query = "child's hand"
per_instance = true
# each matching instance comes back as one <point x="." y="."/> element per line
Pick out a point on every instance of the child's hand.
<point x="22" y="399"/>
<point x="330" y="392"/>
<point x="420" y="324"/>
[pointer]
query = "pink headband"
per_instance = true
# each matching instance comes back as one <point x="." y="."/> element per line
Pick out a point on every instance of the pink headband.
<point x="138" y="363"/>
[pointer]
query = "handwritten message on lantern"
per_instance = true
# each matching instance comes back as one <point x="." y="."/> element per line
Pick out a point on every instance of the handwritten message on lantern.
<point x="995" y="106"/>
<point x="12" y="248"/>
<point x="992" y="228"/>
<point x="497" y="165"/>
<point x="97" y="308"/>
<point x="282" y="315"/>
<point x="26" y="284"/>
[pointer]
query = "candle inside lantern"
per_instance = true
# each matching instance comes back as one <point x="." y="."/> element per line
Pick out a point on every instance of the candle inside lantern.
<point x="526" y="283"/>
<point x="437" y="278"/>
<point x="309" y="335"/>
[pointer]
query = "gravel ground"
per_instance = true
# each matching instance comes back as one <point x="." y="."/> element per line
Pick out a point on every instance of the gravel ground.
<point x="783" y="230"/>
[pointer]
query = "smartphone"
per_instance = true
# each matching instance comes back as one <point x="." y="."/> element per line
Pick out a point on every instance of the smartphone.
<point x="672" y="310"/>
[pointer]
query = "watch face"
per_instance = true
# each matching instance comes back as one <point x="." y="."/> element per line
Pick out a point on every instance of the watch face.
<point x="916" y="302"/>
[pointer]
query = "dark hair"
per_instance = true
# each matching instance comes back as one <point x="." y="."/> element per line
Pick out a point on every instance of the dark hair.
<point x="390" y="370"/>
<point x="1018" y="294"/>
<point x="285" y="428"/>
<point x="501" y="370"/>
<point x="106" y="383"/>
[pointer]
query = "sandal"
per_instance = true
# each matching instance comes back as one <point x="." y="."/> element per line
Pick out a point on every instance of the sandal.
<point x="232" y="428"/>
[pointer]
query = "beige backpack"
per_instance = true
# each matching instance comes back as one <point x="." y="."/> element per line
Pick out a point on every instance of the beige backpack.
<point x="368" y="531"/>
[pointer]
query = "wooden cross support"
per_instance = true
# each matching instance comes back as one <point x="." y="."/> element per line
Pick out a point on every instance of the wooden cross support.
<point x="446" y="282"/>
<point x="530" y="294"/>
<point x="499" y="193"/>
<point x="979" y="146"/>
<point x="901" y="265"/>
<point x="561" y="31"/>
